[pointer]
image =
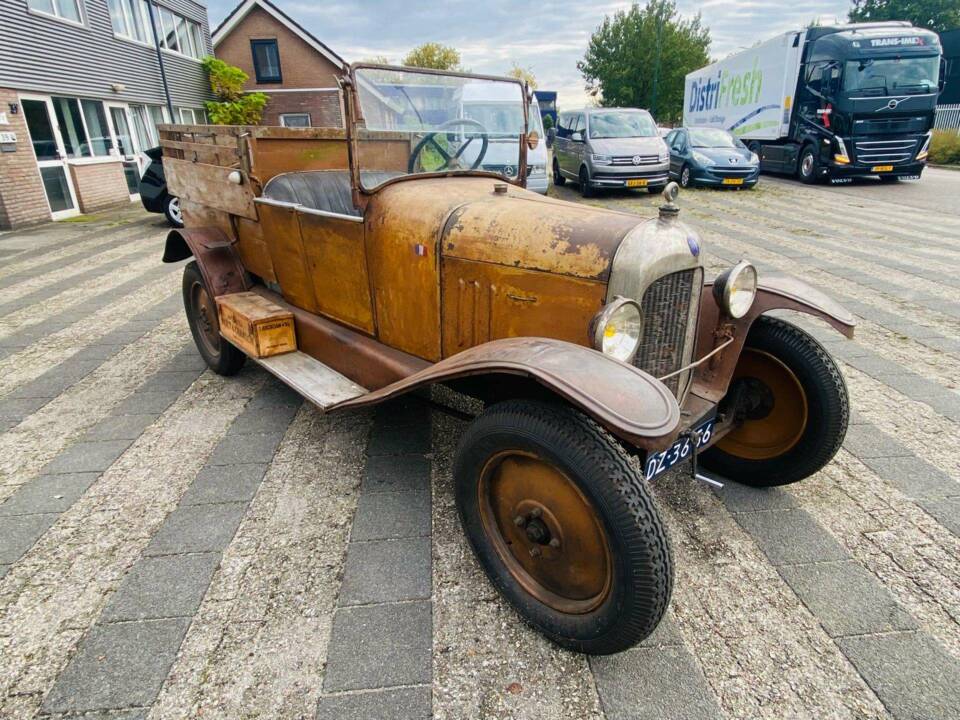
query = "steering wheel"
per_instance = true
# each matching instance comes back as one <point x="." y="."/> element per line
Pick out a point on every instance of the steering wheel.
<point x="449" y="161"/>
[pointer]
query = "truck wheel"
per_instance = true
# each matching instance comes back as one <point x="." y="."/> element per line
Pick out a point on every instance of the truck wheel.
<point x="172" y="211"/>
<point x="585" y="189"/>
<point x="796" y="409"/>
<point x="220" y="356"/>
<point x="558" y="179"/>
<point x="563" y="525"/>
<point x="685" y="176"/>
<point x="809" y="166"/>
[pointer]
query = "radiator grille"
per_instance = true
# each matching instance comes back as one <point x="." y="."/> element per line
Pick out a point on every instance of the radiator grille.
<point x="666" y="313"/>
<point x="880" y="152"/>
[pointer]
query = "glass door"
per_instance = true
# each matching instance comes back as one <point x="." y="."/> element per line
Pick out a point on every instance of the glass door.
<point x="127" y="146"/>
<point x="51" y="156"/>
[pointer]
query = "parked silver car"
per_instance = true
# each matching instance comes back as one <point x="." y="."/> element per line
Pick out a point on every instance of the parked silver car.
<point x="610" y="147"/>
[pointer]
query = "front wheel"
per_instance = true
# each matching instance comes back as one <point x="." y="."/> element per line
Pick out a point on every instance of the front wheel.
<point x="221" y="357"/>
<point x="809" y="166"/>
<point x="685" y="177"/>
<point x="793" y="404"/>
<point x="585" y="189"/>
<point x="563" y="525"/>
<point x="558" y="179"/>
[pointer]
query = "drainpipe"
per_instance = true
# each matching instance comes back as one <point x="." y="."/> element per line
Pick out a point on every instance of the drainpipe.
<point x="163" y="73"/>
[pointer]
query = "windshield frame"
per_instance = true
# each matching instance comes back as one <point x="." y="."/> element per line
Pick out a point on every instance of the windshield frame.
<point x="861" y="91"/>
<point x="355" y="122"/>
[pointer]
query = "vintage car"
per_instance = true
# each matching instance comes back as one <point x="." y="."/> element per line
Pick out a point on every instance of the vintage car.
<point x="361" y="264"/>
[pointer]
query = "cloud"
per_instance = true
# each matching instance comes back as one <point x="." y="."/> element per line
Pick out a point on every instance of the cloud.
<point x="548" y="37"/>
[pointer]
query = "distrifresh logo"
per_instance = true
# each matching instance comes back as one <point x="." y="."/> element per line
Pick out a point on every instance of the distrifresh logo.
<point x="726" y="89"/>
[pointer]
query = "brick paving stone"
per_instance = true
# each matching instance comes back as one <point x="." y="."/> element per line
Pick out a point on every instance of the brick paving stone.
<point x="146" y="403"/>
<point x="666" y="633"/>
<point x="912" y="675"/>
<point x="166" y="380"/>
<point x="379" y="646"/>
<point x="743" y="498"/>
<point x="399" y="439"/>
<point x="386" y="570"/>
<point x="243" y="449"/>
<point x="914" y="477"/>
<point x="396" y="473"/>
<point x="48" y="494"/>
<point x="391" y="515"/>
<point x="945" y="511"/>
<point x="4" y="569"/>
<point x="846" y="598"/>
<point x="197" y="528"/>
<point x="868" y="441"/>
<point x="790" y="536"/>
<point x="118" y="665"/>
<point x="95" y="456"/>
<point x="653" y="683"/>
<point x="120" y="427"/>
<point x="162" y="587"/>
<point x="224" y="483"/>
<point x="261" y="422"/>
<point x="413" y="703"/>
<point x="19" y="532"/>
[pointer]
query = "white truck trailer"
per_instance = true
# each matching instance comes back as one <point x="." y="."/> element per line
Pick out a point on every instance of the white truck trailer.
<point x="827" y="102"/>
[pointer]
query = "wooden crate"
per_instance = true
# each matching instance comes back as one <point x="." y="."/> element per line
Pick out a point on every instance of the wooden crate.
<point x="255" y="325"/>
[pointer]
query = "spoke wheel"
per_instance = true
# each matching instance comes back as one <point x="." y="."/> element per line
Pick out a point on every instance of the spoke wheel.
<point x="205" y="310"/>
<point x="201" y="308"/>
<point x="546" y="532"/>
<point x="777" y="411"/>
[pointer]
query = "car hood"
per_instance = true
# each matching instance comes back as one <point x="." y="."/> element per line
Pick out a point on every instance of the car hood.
<point x="722" y="156"/>
<point x="628" y="146"/>
<point x="525" y="230"/>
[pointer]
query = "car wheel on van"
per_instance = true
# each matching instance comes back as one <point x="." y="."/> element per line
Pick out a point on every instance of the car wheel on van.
<point x="558" y="179"/>
<point x="585" y="189"/>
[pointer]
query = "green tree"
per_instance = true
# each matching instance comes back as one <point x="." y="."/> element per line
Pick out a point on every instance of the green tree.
<point x="233" y="106"/>
<point x="433" y="56"/>
<point x="523" y="75"/>
<point x="640" y="58"/>
<point x="938" y="15"/>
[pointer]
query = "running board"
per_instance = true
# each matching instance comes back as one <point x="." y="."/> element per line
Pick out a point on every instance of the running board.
<point x="318" y="383"/>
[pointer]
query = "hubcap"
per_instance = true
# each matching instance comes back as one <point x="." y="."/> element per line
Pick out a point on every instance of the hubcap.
<point x="205" y="315"/>
<point x="545" y="531"/>
<point x="775" y="408"/>
<point x="685" y="177"/>
<point x="175" y="212"/>
<point x="806" y="166"/>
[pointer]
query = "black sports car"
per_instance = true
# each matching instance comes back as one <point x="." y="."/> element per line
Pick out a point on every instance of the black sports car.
<point x="153" y="190"/>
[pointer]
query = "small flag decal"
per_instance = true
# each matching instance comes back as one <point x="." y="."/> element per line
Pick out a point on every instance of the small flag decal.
<point x="420" y="250"/>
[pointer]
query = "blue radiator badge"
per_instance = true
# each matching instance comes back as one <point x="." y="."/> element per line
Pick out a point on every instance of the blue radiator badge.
<point x="694" y="245"/>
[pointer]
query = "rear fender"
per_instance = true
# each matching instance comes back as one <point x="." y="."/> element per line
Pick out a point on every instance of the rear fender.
<point x="215" y="254"/>
<point x="631" y="404"/>
<point x="774" y="292"/>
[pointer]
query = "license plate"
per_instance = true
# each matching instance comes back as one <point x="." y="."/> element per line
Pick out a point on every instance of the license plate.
<point x="678" y="452"/>
<point x="881" y="168"/>
<point x="636" y="183"/>
<point x="733" y="181"/>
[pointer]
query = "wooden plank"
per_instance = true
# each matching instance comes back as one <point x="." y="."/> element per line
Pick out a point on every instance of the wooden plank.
<point x="318" y="383"/>
<point x="208" y="185"/>
<point x="200" y="147"/>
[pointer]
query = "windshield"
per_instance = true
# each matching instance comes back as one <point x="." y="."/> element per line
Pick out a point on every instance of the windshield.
<point x="892" y="75"/>
<point x="416" y="122"/>
<point x="713" y="138"/>
<point x="620" y="124"/>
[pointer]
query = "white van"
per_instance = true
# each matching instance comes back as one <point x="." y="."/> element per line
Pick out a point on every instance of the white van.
<point x="502" y="156"/>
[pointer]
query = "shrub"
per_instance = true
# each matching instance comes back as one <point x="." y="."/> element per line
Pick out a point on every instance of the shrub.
<point x="234" y="106"/>
<point x="547" y="122"/>
<point x="945" y="147"/>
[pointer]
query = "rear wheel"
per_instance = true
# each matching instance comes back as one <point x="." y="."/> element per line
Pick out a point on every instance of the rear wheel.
<point x="201" y="308"/>
<point x="808" y="167"/>
<point x="793" y="405"/>
<point x="173" y="211"/>
<point x="585" y="189"/>
<point x="563" y="525"/>
<point x="558" y="179"/>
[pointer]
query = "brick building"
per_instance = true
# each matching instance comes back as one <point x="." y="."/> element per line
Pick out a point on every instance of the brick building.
<point x="295" y="70"/>
<point x="81" y="94"/>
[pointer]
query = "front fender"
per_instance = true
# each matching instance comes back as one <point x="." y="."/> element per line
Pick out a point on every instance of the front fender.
<point x="631" y="404"/>
<point x="774" y="292"/>
<point x="215" y="254"/>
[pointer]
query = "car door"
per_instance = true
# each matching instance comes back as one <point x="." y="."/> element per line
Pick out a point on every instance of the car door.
<point x="575" y="155"/>
<point x="678" y="149"/>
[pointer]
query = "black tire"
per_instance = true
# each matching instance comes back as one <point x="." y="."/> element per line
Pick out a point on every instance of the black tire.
<point x="808" y="165"/>
<point x="639" y="566"/>
<point x="828" y="410"/>
<point x="220" y="356"/>
<point x="585" y="189"/>
<point x="172" y="211"/>
<point x="754" y="147"/>
<point x="685" y="179"/>
<point x="558" y="179"/>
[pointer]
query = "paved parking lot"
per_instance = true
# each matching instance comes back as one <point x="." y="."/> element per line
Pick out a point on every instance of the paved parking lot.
<point x="175" y="544"/>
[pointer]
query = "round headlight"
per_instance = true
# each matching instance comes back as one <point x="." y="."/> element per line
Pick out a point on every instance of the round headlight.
<point x="616" y="329"/>
<point x="735" y="289"/>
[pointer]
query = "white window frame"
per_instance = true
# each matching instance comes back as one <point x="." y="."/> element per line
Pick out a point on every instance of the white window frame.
<point x="284" y="116"/>
<point x="81" y="11"/>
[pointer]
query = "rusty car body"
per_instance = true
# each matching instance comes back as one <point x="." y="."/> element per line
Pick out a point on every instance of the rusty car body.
<point x="401" y="276"/>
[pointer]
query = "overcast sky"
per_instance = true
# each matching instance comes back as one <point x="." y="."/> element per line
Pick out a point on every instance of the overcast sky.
<point x="548" y="37"/>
